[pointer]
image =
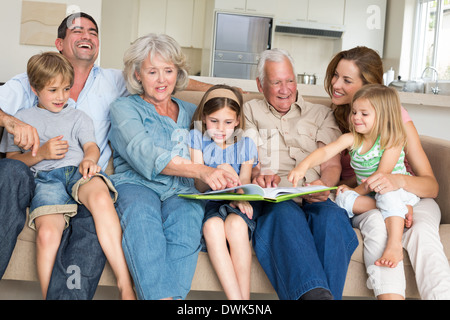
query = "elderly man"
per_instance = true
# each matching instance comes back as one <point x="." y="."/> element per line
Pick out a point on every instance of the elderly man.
<point x="303" y="248"/>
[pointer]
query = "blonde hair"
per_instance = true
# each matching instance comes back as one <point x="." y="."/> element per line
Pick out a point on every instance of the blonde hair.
<point x="43" y="68"/>
<point x="149" y="46"/>
<point x="208" y="105"/>
<point x="388" y="120"/>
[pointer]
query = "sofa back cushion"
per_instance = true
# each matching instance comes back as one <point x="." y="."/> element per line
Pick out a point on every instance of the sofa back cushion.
<point x="438" y="152"/>
<point x="196" y="96"/>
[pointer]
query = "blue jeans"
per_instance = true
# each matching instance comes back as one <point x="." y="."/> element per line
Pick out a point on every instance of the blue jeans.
<point x="161" y="240"/>
<point x="16" y="192"/>
<point x="79" y="262"/>
<point x="80" y="259"/>
<point x="302" y="248"/>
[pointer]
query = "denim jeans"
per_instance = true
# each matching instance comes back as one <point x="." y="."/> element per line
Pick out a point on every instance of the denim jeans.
<point x="16" y="192"/>
<point x="161" y="240"/>
<point x="79" y="262"/>
<point x="304" y="247"/>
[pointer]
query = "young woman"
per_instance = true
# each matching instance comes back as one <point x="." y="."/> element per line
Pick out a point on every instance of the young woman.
<point x="347" y="72"/>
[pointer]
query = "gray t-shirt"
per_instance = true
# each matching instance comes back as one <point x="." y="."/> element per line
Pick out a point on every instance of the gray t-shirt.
<point x="74" y="125"/>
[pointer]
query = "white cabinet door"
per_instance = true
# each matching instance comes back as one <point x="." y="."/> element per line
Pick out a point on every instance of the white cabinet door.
<point x="232" y="5"/>
<point x="198" y="24"/>
<point x="183" y="20"/>
<point x="292" y="10"/>
<point x="267" y="7"/>
<point x="326" y="11"/>
<point x="152" y="17"/>
<point x="179" y="19"/>
<point x="323" y="11"/>
<point x="364" y="24"/>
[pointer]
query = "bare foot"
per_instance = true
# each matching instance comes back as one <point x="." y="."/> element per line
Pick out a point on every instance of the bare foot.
<point x="392" y="255"/>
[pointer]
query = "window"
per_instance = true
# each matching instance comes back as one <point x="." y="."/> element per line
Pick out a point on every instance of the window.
<point x="432" y="39"/>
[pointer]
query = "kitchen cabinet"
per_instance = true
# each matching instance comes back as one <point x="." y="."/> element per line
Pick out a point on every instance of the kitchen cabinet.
<point x="152" y="17"/>
<point x="326" y="11"/>
<point x="364" y="24"/>
<point x="181" y="19"/>
<point x="292" y="10"/>
<point x="322" y="11"/>
<point x="266" y="7"/>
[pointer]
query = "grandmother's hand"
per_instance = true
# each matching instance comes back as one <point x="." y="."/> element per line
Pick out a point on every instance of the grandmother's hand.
<point x="218" y="179"/>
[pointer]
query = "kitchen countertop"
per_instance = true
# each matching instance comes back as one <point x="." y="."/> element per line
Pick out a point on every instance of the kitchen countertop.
<point x="407" y="98"/>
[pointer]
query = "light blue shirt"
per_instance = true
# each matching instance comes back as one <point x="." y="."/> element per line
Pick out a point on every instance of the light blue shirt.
<point x="235" y="154"/>
<point x="102" y="87"/>
<point x="144" y="143"/>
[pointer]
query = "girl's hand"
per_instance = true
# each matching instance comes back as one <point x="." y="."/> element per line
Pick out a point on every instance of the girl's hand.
<point x="54" y="149"/>
<point x="343" y="188"/>
<point x="89" y="168"/>
<point x="295" y="175"/>
<point x="244" y="206"/>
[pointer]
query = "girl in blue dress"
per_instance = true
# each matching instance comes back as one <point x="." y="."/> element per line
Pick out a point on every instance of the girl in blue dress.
<point x="217" y="140"/>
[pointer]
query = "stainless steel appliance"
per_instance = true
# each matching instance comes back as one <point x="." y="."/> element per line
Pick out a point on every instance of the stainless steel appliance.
<point x="239" y="39"/>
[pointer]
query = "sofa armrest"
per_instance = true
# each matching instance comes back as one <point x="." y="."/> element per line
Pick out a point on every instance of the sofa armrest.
<point x="438" y="152"/>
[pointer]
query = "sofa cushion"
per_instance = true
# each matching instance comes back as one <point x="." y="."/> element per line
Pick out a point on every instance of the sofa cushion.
<point x="438" y="152"/>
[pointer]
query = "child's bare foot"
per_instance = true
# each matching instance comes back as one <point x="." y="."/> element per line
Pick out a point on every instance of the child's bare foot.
<point x="409" y="217"/>
<point x="392" y="255"/>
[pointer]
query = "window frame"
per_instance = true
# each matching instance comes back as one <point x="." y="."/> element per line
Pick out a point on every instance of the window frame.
<point x="419" y="55"/>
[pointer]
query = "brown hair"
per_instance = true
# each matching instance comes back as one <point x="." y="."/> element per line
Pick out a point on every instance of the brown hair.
<point x="43" y="68"/>
<point x="210" y="105"/>
<point x="388" y="116"/>
<point x="371" y="72"/>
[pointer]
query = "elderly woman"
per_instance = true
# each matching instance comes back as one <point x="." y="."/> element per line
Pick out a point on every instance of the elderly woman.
<point x="161" y="231"/>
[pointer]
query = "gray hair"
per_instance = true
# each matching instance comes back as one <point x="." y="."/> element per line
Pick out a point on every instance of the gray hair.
<point x="151" y="45"/>
<point x="273" y="55"/>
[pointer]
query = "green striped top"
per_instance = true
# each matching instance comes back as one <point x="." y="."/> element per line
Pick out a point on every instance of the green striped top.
<point x="366" y="164"/>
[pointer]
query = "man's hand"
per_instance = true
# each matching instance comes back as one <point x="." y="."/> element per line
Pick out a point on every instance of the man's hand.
<point x="25" y="136"/>
<point x="267" y="181"/>
<point x="319" y="196"/>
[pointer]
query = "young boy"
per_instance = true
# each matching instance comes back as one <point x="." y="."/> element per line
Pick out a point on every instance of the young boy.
<point x="66" y="170"/>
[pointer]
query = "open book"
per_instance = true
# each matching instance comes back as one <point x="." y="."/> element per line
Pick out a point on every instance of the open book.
<point x="253" y="192"/>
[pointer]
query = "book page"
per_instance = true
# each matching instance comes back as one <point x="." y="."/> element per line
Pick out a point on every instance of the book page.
<point x="275" y="192"/>
<point x="248" y="189"/>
